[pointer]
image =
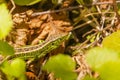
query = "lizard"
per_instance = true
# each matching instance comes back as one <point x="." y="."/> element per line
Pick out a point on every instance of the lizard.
<point x="40" y="50"/>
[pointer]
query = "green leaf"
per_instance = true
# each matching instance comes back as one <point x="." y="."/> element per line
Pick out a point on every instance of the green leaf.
<point x="5" y="21"/>
<point x="18" y="66"/>
<point x="14" y="70"/>
<point x="112" y="41"/>
<point x="5" y="48"/>
<point x="62" y="66"/>
<point x="97" y="56"/>
<point x="1" y="1"/>
<point x="110" y="70"/>
<point x="26" y="2"/>
<point x="5" y="67"/>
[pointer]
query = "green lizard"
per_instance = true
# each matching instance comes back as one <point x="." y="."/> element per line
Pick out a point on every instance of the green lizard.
<point x="39" y="50"/>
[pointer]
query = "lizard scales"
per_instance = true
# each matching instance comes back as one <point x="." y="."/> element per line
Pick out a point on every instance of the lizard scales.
<point x="40" y="49"/>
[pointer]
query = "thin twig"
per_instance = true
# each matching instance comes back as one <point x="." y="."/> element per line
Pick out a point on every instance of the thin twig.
<point x="93" y="30"/>
<point x="82" y="45"/>
<point x="95" y="20"/>
<point x="13" y="6"/>
<point x="96" y="13"/>
<point x="69" y="8"/>
<point x="79" y="26"/>
<point x="55" y="11"/>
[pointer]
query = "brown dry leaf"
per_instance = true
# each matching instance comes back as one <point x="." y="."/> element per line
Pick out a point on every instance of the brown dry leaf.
<point x="36" y="22"/>
<point x="42" y="35"/>
<point x="30" y="30"/>
<point x="21" y="37"/>
<point x="38" y="28"/>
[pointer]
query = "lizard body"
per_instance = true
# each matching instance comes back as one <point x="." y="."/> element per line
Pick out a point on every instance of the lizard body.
<point x="40" y="49"/>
